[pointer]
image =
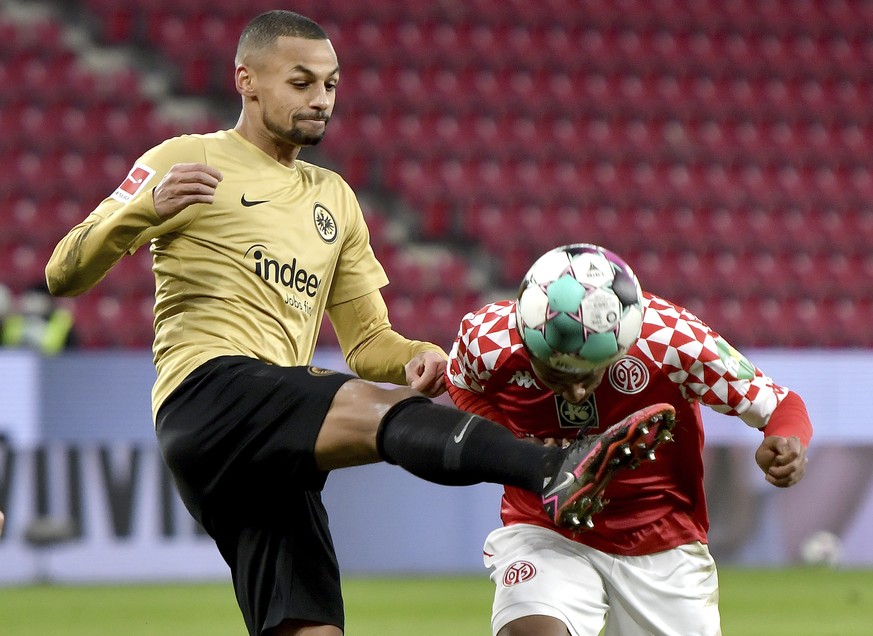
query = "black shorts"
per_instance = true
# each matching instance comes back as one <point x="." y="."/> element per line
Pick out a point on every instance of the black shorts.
<point x="238" y="435"/>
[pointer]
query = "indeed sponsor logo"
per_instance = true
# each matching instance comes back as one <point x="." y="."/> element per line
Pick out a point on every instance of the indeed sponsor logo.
<point x="288" y="275"/>
<point x="285" y="274"/>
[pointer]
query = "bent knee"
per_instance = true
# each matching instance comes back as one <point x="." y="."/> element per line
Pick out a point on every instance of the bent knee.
<point x="375" y="399"/>
<point x="348" y="436"/>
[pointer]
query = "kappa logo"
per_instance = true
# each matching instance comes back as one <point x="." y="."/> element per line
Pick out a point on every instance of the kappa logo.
<point x="629" y="375"/>
<point x="519" y="572"/>
<point x="135" y="181"/>
<point x="524" y="379"/>
<point x="325" y="224"/>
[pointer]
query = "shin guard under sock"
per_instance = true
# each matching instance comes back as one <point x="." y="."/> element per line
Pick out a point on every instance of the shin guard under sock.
<point x="451" y="447"/>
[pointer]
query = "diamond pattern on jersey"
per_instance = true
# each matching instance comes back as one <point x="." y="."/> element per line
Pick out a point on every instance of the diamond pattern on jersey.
<point x="679" y="343"/>
<point x="485" y="340"/>
<point x="687" y="350"/>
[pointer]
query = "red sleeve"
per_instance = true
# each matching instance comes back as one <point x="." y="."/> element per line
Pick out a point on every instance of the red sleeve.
<point x="475" y="403"/>
<point x="790" y="418"/>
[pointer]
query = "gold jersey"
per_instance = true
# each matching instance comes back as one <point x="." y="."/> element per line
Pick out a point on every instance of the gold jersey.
<point x="250" y="274"/>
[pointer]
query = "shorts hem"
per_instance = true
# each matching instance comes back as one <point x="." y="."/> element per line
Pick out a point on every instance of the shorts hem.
<point x="520" y="610"/>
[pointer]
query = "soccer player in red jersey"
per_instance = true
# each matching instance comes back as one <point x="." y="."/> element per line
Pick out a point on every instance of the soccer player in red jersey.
<point x="644" y="567"/>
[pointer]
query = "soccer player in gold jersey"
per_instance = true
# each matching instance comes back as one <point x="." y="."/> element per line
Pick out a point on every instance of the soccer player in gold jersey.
<point x="251" y="247"/>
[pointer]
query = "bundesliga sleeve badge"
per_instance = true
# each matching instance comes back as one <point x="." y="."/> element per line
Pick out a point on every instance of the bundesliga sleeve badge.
<point x="136" y="180"/>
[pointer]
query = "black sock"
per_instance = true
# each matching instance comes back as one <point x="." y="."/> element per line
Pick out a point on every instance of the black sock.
<point x="448" y="446"/>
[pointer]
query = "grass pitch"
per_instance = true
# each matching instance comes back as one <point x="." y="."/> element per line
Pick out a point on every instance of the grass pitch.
<point x="795" y="602"/>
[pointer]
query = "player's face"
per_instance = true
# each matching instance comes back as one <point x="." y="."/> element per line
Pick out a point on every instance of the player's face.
<point x="297" y="89"/>
<point x="573" y="387"/>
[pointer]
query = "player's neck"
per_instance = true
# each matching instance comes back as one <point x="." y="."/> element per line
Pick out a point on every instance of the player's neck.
<point x="283" y="153"/>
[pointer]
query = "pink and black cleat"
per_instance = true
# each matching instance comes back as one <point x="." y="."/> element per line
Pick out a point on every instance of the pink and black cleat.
<point x="576" y="491"/>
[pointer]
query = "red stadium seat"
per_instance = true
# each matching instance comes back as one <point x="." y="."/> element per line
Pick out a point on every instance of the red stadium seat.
<point x="707" y="139"/>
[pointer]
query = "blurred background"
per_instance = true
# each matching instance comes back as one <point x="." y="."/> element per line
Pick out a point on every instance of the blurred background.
<point x="723" y="148"/>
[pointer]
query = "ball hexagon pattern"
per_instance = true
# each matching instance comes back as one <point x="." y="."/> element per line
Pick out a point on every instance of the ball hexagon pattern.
<point x="579" y="308"/>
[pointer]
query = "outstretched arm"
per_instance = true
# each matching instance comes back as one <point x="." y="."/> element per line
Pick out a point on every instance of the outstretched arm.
<point x="374" y="351"/>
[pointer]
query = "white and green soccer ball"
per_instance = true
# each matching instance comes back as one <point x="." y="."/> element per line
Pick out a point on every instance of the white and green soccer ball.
<point x="580" y="308"/>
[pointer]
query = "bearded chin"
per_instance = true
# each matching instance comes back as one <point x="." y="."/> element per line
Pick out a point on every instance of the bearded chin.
<point x="294" y="135"/>
<point x="302" y="139"/>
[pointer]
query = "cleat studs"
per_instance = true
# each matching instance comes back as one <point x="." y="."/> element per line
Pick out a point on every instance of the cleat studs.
<point x="643" y="429"/>
<point x="642" y="446"/>
<point x="588" y="523"/>
<point x="572" y="520"/>
<point x="651" y="455"/>
<point x="625" y="449"/>
<point x="666" y="436"/>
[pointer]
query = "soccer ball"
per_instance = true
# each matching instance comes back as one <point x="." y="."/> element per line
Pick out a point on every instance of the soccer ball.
<point x="579" y="308"/>
<point x="822" y="548"/>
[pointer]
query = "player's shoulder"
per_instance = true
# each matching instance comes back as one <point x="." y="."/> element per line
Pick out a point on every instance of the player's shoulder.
<point x="487" y="341"/>
<point x="653" y="302"/>
<point x="319" y="174"/>
<point x="669" y="328"/>
<point x="198" y="139"/>
<point x="495" y="319"/>
<point x="659" y="312"/>
<point x="189" y="147"/>
<point x="211" y="143"/>
<point x="490" y="333"/>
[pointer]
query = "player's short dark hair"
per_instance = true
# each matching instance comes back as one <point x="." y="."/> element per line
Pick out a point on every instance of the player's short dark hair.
<point x="266" y="28"/>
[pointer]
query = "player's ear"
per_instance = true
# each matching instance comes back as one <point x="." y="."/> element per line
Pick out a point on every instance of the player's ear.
<point x="244" y="81"/>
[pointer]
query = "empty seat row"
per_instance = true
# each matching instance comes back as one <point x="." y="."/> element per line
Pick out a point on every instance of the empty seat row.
<point x="552" y="139"/>
<point x="689" y="135"/>
<point x="789" y="323"/>
<point x="502" y="179"/>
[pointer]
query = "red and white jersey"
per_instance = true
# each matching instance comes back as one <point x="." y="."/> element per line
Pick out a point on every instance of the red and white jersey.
<point x="678" y="359"/>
